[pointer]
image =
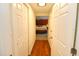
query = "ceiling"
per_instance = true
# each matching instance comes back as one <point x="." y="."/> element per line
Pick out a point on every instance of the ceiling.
<point x="41" y="10"/>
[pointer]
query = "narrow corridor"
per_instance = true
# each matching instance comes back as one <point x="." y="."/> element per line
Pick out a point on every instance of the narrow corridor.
<point x="29" y="29"/>
<point x="41" y="48"/>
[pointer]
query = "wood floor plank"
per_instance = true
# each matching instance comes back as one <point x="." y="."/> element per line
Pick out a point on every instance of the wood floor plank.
<point x="41" y="48"/>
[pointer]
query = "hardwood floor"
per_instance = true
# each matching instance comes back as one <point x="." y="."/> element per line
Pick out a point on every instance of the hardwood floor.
<point x="41" y="48"/>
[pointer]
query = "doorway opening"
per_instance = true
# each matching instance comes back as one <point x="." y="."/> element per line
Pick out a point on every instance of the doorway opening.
<point x="41" y="46"/>
<point x="41" y="27"/>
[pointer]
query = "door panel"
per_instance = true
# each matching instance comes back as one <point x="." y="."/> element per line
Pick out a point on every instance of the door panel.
<point x="20" y="29"/>
<point x="62" y="24"/>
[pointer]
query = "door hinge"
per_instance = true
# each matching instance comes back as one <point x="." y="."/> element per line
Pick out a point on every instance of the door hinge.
<point x="73" y="51"/>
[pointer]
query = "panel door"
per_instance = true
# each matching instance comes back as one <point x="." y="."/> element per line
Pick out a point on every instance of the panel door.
<point x="20" y="29"/>
<point x="63" y="18"/>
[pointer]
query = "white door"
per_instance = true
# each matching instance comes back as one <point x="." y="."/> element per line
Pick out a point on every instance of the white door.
<point x="20" y="29"/>
<point x="61" y="28"/>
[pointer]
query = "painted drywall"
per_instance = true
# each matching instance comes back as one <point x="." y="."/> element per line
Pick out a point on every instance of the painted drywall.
<point x="41" y="17"/>
<point x="42" y="14"/>
<point x="32" y="29"/>
<point x="61" y="28"/>
<point x="5" y="30"/>
<point x="41" y="11"/>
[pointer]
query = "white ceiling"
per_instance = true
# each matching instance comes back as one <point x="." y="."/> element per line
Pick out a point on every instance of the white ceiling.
<point x="40" y="11"/>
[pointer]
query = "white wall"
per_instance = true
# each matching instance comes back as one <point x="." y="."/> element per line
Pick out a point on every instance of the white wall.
<point x="41" y="17"/>
<point x="32" y="29"/>
<point x="5" y="30"/>
<point x="61" y="28"/>
<point x="41" y="14"/>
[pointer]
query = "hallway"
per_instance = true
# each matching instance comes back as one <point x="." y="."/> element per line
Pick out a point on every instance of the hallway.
<point x="19" y="32"/>
<point x="41" y="48"/>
